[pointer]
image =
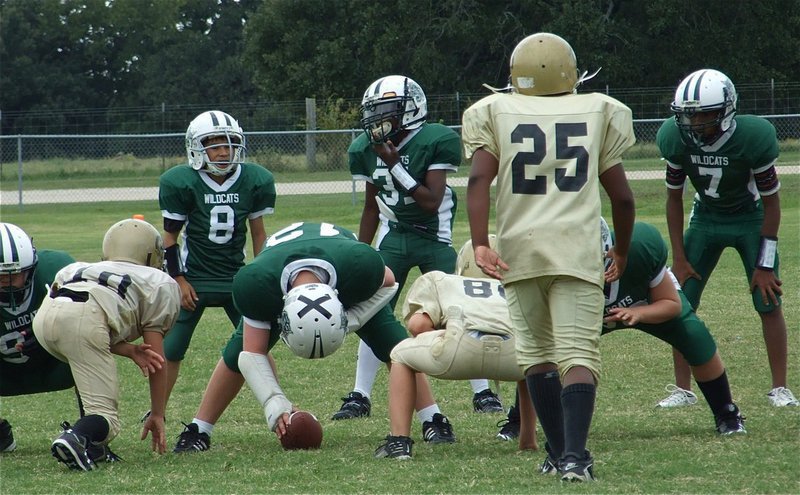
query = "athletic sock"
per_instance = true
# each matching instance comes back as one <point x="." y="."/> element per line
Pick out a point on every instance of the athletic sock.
<point x="577" y="401"/>
<point x="367" y="367"/>
<point x="94" y="427"/>
<point x="427" y="413"/>
<point x="203" y="426"/>
<point x="479" y="385"/>
<point x="545" y="390"/>
<point x="717" y="393"/>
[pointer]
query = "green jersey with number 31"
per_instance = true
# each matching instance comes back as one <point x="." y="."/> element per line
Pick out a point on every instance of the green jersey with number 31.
<point x="431" y="147"/>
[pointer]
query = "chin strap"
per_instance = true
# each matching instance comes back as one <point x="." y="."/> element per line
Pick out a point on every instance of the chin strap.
<point x="506" y="89"/>
<point x="585" y="78"/>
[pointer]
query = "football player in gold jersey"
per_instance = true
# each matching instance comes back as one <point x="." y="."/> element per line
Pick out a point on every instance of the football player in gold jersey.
<point x="550" y="149"/>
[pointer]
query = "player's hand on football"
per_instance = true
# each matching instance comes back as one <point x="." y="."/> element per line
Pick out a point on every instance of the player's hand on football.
<point x="767" y="284"/>
<point x="148" y="360"/>
<point x="154" y="425"/>
<point x="283" y="422"/>
<point x="282" y="425"/>
<point x="490" y="262"/>
<point x="683" y="271"/>
<point x="188" y="295"/>
<point x="627" y="316"/>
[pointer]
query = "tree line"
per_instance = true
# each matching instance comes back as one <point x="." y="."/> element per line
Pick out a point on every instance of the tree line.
<point x="116" y="60"/>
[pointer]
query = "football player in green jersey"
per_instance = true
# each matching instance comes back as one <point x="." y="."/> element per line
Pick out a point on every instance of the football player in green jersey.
<point x="730" y="161"/>
<point x="407" y="203"/>
<point x="311" y="283"/>
<point x="648" y="297"/>
<point x="210" y="203"/>
<point x="550" y="149"/>
<point x="25" y="368"/>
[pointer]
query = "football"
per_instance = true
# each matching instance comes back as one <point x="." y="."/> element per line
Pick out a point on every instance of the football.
<point x="304" y="431"/>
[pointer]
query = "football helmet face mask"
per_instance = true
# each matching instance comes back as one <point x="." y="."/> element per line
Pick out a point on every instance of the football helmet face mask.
<point x="215" y="124"/>
<point x="135" y="241"/>
<point x="465" y="263"/>
<point x="544" y="64"/>
<point x="314" y="321"/>
<point x="17" y="256"/>
<point x="702" y="91"/>
<point x="390" y="105"/>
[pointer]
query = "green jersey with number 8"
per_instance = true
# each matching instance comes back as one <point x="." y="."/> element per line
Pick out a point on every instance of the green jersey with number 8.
<point x="215" y="215"/>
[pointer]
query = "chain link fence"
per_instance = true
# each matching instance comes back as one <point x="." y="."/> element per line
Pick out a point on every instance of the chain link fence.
<point x="113" y="167"/>
<point x="758" y="98"/>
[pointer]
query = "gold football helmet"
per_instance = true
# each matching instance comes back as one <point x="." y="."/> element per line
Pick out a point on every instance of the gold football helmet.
<point x="544" y="64"/>
<point x="135" y="241"/>
<point x="465" y="263"/>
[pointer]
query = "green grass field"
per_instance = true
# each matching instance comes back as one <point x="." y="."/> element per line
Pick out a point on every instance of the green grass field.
<point x="637" y="448"/>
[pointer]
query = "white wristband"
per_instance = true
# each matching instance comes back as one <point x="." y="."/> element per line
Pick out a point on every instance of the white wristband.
<point x="767" y="253"/>
<point x="403" y="178"/>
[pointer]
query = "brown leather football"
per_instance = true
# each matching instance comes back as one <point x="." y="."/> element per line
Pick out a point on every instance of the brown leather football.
<point x="304" y="431"/>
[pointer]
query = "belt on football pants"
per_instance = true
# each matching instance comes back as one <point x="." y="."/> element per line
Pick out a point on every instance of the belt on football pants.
<point x="420" y="230"/>
<point x="71" y="294"/>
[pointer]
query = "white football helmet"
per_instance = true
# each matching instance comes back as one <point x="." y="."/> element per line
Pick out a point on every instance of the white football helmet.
<point x="465" y="263"/>
<point x="314" y="321"/>
<point x="704" y="90"/>
<point x="606" y="242"/>
<point x="17" y="255"/>
<point x="390" y="105"/>
<point x="135" y="241"/>
<point x="213" y="124"/>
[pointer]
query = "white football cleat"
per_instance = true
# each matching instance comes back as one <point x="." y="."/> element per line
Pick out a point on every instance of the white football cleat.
<point x="678" y="397"/>
<point x="782" y="397"/>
